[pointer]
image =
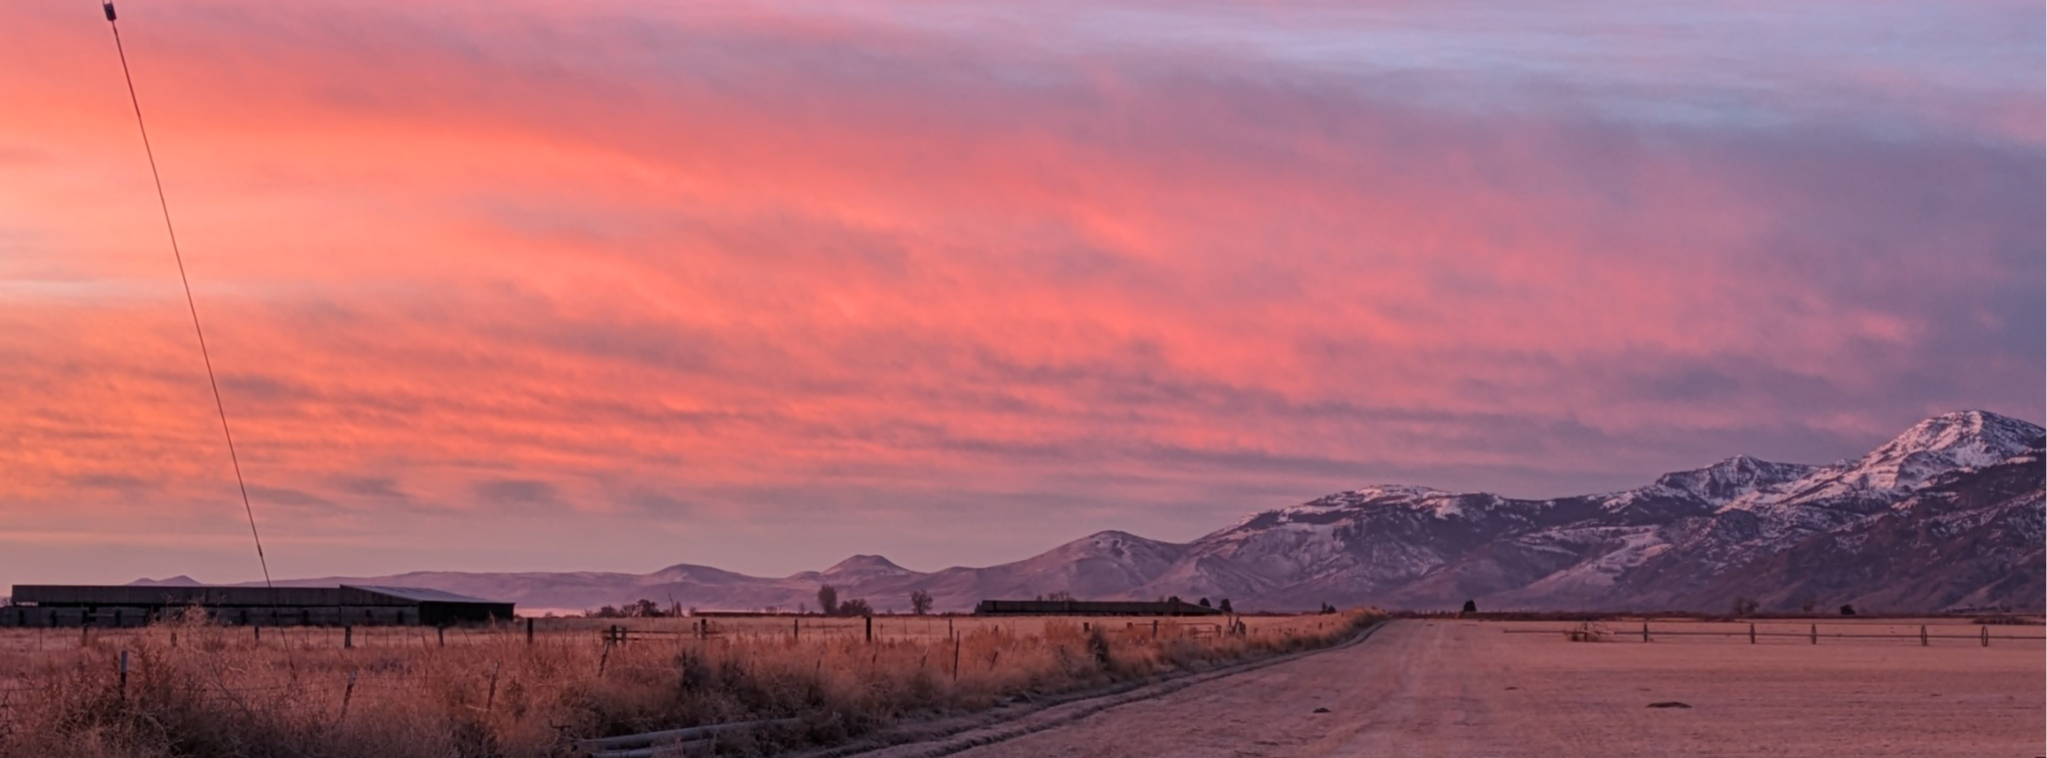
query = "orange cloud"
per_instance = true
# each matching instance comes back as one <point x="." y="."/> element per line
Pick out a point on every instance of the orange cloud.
<point x="616" y="281"/>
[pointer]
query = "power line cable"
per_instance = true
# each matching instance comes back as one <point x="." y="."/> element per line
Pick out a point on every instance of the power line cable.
<point x="191" y="303"/>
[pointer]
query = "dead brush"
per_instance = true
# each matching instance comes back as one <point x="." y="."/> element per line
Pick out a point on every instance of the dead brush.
<point x="198" y="689"/>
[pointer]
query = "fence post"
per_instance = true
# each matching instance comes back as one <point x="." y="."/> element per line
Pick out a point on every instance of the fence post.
<point x="1645" y="631"/>
<point x="124" y="676"/>
<point x="529" y="632"/>
<point x="1154" y="628"/>
<point x="1986" y="636"/>
<point x="347" y="636"/>
<point x="491" y="700"/>
<point x="1752" y="633"/>
<point x="347" y="693"/>
<point x="948" y="627"/>
<point x="870" y="629"/>
<point x="796" y="628"/>
<point x="1815" y="634"/>
<point x="1922" y="635"/>
<point x="258" y="631"/>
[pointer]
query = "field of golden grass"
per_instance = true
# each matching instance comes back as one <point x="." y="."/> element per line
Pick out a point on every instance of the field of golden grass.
<point x="196" y="689"/>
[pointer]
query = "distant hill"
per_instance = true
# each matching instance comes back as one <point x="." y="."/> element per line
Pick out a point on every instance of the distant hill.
<point x="1949" y="515"/>
<point x="176" y="581"/>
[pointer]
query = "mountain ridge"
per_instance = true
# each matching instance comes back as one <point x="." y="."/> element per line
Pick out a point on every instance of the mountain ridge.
<point x="1788" y="535"/>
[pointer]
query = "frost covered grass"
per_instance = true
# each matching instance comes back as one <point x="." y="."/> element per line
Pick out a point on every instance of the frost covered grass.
<point x="196" y="689"/>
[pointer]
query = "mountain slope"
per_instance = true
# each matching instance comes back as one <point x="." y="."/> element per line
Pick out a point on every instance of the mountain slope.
<point x="1742" y="536"/>
<point x="1947" y="515"/>
<point x="1972" y="537"/>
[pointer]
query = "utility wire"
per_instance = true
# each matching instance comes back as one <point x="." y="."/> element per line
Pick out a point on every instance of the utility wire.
<point x="190" y="302"/>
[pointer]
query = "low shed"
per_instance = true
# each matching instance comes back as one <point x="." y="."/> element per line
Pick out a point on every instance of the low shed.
<point x="135" y="605"/>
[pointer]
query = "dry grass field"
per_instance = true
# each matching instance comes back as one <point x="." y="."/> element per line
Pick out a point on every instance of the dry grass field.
<point x="201" y="690"/>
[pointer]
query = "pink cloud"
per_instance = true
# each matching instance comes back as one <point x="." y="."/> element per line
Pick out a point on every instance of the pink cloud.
<point x="890" y="276"/>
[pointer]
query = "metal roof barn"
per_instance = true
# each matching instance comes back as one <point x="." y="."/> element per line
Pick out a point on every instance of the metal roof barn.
<point x="133" y="605"/>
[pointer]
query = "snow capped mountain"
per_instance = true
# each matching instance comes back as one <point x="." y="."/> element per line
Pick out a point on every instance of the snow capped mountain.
<point x="1969" y="538"/>
<point x="1949" y="514"/>
<point x="1680" y="542"/>
<point x="1774" y="518"/>
<point x="1734" y="478"/>
<point x="1965" y="439"/>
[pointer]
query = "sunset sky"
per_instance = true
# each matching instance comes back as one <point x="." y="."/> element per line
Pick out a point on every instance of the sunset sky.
<point x="612" y="286"/>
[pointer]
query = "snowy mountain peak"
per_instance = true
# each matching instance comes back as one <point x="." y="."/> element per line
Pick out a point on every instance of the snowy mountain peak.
<point x="1732" y="478"/>
<point x="1964" y="439"/>
<point x="1344" y="506"/>
<point x="1970" y="430"/>
<point x="1400" y="491"/>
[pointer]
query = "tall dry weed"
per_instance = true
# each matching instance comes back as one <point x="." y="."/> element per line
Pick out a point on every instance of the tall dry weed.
<point x="197" y="689"/>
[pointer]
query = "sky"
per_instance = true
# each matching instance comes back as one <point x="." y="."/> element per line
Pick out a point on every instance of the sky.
<point x="522" y="285"/>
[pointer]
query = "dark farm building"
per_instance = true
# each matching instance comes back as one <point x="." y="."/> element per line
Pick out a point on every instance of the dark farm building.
<point x="1173" y="607"/>
<point x="112" y="606"/>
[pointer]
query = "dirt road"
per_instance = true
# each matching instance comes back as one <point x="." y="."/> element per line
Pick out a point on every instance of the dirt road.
<point x="1465" y="689"/>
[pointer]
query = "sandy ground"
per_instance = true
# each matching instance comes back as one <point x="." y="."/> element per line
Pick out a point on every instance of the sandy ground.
<point x="1446" y="688"/>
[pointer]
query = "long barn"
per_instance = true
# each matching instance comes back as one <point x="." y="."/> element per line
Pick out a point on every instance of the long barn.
<point x="48" y="605"/>
<point x="1173" y="607"/>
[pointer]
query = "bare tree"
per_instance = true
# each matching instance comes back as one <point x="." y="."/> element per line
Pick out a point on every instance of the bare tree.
<point x="920" y="602"/>
<point x="828" y="600"/>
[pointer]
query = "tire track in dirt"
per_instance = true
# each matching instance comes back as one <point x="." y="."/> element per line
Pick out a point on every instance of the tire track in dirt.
<point x="999" y="728"/>
<point x="1268" y="712"/>
<point x="1415" y="689"/>
<point x="1462" y="690"/>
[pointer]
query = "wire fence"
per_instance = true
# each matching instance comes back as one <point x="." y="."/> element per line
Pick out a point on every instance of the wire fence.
<point x="1811" y="633"/>
<point x="42" y="639"/>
